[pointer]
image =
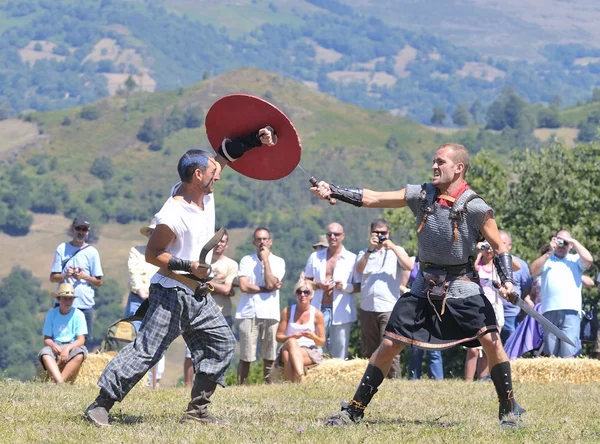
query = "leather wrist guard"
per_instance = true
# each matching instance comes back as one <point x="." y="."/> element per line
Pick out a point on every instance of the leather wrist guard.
<point x="503" y="263"/>
<point x="352" y="196"/>
<point x="234" y="149"/>
<point x="176" y="264"/>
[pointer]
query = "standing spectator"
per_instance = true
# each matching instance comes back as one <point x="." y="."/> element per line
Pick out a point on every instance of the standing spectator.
<point x="476" y="361"/>
<point x="435" y="363"/>
<point x="64" y="330"/>
<point x="225" y="271"/>
<point x="561" y="290"/>
<point x="321" y="243"/>
<point x="522" y="286"/>
<point x="260" y="277"/>
<point x="379" y="270"/>
<point x="332" y="271"/>
<point x="140" y="273"/>
<point x="78" y="263"/>
<point x="302" y="333"/>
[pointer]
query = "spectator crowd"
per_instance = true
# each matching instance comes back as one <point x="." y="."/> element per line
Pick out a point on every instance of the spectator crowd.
<point x="320" y="321"/>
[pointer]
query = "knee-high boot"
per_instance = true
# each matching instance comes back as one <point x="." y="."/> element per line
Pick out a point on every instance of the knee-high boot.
<point x="354" y="410"/>
<point x="508" y="409"/>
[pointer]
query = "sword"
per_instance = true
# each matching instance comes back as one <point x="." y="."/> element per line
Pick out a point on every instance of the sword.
<point x="203" y="287"/>
<point x="515" y="299"/>
<point x="313" y="181"/>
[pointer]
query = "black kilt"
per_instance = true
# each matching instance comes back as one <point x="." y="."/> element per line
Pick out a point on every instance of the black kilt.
<point x="413" y="322"/>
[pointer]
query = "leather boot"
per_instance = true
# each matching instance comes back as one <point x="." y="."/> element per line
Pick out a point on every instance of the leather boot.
<point x="197" y="410"/>
<point x="97" y="412"/>
<point x="353" y="411"/>
<point x="509" y="411"/>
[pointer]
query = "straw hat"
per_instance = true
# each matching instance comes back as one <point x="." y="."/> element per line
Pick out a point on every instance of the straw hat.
<point x="322" y="242"/>
<point x="65" y="289"/>
<point x="152" y="226"/>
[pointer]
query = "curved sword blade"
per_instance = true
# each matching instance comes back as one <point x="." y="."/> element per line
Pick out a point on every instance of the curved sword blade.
<point x="549" y="326"/>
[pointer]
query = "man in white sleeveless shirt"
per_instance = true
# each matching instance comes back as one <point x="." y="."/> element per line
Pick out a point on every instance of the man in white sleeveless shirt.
<point x="183" y="226"/>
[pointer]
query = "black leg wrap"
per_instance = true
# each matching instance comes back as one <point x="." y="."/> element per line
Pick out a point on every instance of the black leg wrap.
<point x="367" y="388"/>
<point x="501" y="377"/>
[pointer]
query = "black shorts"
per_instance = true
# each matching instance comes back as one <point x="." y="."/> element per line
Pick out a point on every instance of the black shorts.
<point x="414" y="322"/>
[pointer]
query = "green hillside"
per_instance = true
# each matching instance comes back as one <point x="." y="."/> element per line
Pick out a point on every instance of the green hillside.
<point x="63" y="53"/>
<point x="341" y="143"/>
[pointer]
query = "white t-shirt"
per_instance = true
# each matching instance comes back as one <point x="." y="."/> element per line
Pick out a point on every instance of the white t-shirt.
<point x="380" y="280"/>
<point x="343" y="310"/>
<point x="260" y="305"/>
<point x="192" y="226"/>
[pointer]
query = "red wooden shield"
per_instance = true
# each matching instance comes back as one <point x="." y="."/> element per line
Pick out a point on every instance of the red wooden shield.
<point x="238" y="115"/>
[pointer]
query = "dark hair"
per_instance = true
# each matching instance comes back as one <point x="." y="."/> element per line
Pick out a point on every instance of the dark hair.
<point x="192" y="160"/>
<point x="380" y="222"/>
<point x="261" y="229"/>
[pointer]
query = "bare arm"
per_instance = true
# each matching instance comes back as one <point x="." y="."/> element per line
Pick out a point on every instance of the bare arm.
<point x="271" y="281"/>
<point x="281" y="336"/>
<point x="222" y="289"/>
<point x="586" y="257"/>
<point x="370" y="198"/>
<point x="535" y="267"/>
<point x="156" y="251"/>
<point x="247" y="287"/>
<point x="319" y="335"/>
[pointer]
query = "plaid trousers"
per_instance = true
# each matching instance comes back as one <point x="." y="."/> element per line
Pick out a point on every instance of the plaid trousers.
<point x="172" y="312"/>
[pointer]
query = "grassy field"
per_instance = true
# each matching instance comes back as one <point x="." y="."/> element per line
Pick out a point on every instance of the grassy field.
<point x="403" y="411"/>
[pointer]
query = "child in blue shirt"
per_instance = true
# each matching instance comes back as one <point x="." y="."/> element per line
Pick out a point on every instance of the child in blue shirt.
<point x="64" y="330"/>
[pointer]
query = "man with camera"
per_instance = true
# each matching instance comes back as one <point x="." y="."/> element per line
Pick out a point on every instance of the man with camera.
<point x="562" y="274"/>
<point x="379" y="271"/>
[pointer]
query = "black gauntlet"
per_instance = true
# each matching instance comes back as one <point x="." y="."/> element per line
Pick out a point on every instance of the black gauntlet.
<point x="176" y="264"/>
<point x="352" y="196"/>
<point x="234" y="149"/>
<point x="503" y="262"/>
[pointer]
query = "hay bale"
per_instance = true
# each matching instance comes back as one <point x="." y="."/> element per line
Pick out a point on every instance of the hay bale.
<point x="570" y="370"/>
<point x="330" y="370"/>
<point x="90" y="371"/>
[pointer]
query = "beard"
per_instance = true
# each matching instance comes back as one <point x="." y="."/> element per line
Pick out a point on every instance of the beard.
<point x="80" y="237"/>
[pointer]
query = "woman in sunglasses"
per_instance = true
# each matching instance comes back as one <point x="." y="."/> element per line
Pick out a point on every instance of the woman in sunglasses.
<point x="302" y="333"/>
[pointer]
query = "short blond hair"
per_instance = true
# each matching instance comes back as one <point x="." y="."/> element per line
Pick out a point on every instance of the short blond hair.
<point x="302" y="282"/>
<point x="459" y="154"/>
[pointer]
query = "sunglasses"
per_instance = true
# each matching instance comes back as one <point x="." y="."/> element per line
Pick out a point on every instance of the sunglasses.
<point x="331" y="233"/>
<point x="381" y="232"/>
<point x="260" y="239"/>
<point x="299" y="292"/>
<point x="83" y="229"/>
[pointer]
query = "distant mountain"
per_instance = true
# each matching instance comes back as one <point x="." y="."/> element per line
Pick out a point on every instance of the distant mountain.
<point x="57" y="54"/>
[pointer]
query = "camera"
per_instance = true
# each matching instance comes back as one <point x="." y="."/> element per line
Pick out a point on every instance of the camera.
<point x="381" y="238"/>
<point x="485" y="247"/>
<point x="560" y="242"/>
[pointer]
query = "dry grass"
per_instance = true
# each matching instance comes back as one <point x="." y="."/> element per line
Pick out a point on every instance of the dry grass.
<point x="566" y="135"/>
<point x="15" y="133"/>
<point x="402" y="411"/>
<point x="29" y="54"/>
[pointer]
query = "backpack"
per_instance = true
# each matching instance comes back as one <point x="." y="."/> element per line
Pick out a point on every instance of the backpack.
<point x="118" y="335"/>
<point x="589" y="321"/>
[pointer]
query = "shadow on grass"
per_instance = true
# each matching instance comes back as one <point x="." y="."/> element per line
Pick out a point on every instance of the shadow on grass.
<point x="412" y="422"/>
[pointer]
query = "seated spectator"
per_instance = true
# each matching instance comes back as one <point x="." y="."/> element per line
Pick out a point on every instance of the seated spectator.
<point x="64" y="336"/>
<point x="302" y="332"/>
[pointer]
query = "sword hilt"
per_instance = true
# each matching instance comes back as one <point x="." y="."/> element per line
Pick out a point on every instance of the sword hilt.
<point x="512" y="296"/>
